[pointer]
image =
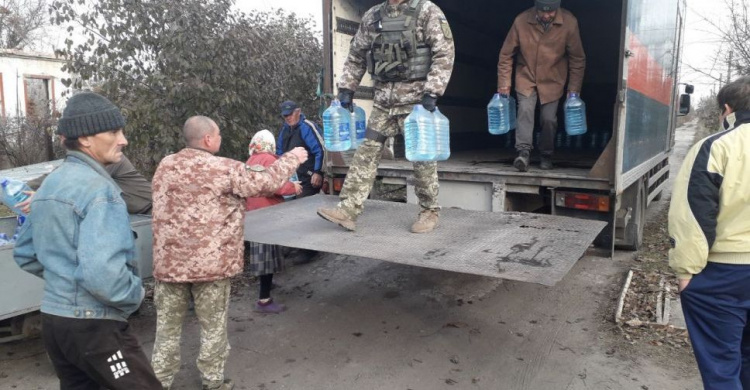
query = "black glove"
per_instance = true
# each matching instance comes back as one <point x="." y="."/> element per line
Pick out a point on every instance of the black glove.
<point x="345" y="97"/>
<point x="429" y="102"/>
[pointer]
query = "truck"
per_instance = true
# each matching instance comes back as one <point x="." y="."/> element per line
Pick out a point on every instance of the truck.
<point x="633" y="96"/>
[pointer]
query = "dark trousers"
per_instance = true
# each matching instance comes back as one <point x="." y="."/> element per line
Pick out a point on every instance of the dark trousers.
<point x="308" y="189"/>
<point x="525" y="124"/>
<point x="716" y="305"/>
<point x="95" y="354"/>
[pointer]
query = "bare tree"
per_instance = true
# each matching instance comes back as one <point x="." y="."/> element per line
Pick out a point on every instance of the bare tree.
<point x="22" y="22"/>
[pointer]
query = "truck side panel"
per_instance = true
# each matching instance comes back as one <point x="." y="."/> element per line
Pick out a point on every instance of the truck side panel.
<point x="651" y="42"/>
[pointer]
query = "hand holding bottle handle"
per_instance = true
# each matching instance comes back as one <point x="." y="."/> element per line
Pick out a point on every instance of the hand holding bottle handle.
<point x="504" y="91"/>
<point x="25" y="206"/>
<point x="297" y="187"/>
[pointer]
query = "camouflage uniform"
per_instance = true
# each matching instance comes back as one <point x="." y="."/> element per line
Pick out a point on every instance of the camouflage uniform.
<point x="211" y="304"/>
<point x="198" y="224"/>
<point x="394" y="101"/>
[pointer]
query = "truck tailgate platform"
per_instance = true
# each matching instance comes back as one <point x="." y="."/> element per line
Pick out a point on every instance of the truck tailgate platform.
<point x="519" y="246"/>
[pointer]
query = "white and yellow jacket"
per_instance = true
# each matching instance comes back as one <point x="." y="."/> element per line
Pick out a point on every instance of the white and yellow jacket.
<point x="709" y="217"/>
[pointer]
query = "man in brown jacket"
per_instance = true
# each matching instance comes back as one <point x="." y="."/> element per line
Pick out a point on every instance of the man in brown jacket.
<point x="547" y="45"/>
<point x="198" y="214"/>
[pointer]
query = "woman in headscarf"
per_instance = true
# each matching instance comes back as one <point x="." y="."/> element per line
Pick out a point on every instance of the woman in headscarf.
<point x="265" y="259"/>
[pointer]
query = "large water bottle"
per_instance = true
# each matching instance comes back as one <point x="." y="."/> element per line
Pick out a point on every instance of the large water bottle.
<point x="513" y="108"/>
<point x="420" y="140"/>
<point x="498" y="114"/>
<point x="292" y="179"/>
<point x="443" y="138"/>
<point x="357" y="126"/>
<point x="336" y="121"/>
<point x="575" y="115"/>
<point x="13" y="193"/>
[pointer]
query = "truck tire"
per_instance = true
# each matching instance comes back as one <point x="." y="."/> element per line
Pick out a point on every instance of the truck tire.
<point x="634" y="230"/>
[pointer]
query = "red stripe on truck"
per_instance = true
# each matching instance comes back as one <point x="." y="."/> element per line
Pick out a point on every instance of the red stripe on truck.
<point x="646" y="75"/>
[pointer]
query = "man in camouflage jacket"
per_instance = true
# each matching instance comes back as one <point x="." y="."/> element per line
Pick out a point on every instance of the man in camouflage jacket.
<point x="198" y="214"/>
<point x="393" y="102"/>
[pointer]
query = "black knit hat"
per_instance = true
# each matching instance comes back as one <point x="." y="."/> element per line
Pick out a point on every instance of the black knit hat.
<point x="547" y="5"/>
<point x="87" y="113"/>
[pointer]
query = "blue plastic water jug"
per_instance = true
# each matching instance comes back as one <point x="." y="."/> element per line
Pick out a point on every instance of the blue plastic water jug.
<point x="291" y="197"/>
<point x="442" y="131"/>
<point x="575" y="115"/>
<point x="420" y="140"/>
<point x="357" y="126"/>
<point x="498" y="114"/>
<point x="13" y="193"/>
<point x="336" y="121"/>
<point x="513" y="108"/>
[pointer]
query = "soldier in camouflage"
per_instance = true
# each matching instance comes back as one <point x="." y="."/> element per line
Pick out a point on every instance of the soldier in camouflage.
<point x="198" y="224"/>
<point x="407" y="47"/>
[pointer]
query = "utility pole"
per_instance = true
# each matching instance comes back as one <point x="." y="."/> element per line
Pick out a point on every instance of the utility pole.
<point x="729" y="67"/>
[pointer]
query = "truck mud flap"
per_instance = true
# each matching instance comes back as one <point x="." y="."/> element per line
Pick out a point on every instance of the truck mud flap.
<point x="518" y="246"/>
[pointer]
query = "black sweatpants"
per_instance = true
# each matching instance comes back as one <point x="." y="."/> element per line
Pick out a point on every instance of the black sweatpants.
<point x="94" y="354"/>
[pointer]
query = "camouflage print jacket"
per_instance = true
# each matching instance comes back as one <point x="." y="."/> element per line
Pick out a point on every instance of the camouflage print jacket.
<point x="199" y="211"/>
<point x="432" y="29"/>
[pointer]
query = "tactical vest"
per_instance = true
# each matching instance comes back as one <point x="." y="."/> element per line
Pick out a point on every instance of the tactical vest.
<point x="395" y="54"/>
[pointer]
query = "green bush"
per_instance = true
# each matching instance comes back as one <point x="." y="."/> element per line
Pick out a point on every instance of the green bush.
<point x="162" y="61"/>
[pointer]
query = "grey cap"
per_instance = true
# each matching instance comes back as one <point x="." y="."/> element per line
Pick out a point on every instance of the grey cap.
<point x="88" y="113"/>
<point x="547" y="5"/>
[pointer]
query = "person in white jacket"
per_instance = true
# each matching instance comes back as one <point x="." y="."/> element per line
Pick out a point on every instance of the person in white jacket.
<point x="709" y="228"/>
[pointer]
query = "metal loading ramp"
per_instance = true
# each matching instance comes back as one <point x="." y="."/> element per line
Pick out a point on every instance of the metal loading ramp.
<point x="518" y="246"/>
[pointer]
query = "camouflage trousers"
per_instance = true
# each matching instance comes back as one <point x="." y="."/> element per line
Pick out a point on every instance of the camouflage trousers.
<point x="211" y="306"/>
<point x="361" y="175"/>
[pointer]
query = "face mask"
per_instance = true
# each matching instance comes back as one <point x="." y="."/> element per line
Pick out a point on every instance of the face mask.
<point x="729" y="122"/>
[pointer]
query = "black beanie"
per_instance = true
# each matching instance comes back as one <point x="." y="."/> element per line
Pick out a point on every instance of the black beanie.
<point x="547" y="5"/>
<point x="87" y="113"/>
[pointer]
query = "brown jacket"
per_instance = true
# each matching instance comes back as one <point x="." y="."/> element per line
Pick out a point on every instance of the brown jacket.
<point x="543" y="58"/>
<point x="199" y="210"/>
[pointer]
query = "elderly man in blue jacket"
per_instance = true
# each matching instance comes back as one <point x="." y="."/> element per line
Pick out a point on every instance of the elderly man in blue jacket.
<point x="297" y="131"/>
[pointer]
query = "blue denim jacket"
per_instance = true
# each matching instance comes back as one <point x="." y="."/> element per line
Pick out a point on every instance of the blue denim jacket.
<point x="78" y="239"/>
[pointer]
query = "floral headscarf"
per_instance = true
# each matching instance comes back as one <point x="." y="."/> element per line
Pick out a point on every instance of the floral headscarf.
<point x="262" y="142"/>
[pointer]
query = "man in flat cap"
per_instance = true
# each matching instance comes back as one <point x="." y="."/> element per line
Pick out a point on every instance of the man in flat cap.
<point x="298" y="131"/>
<point x="547" y="46"/>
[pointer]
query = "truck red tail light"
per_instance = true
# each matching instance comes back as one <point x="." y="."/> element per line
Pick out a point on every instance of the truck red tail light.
<point x="338" y="183"/>
<point x="575" y="200"/>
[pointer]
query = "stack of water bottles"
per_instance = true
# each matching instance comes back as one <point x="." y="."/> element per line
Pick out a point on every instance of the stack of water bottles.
<point x="14" y="192"/>
<point x="575" y="115"/>
<point x="501" y="114"/>
<point x="426" y="135"/>
<point x="337" y="127"/>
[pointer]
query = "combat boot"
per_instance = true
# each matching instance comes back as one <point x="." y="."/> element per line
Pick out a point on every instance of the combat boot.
<point x="546" y="162"/>
<point x="522" y="161"/>
<point x="338" y="216"/>
<point x="427" y="221"/>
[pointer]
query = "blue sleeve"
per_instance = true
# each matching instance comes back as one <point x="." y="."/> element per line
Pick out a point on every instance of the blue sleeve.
<point x="279" y="145"/>
<point x="311" y="140"/>
<point x="105" y="249"/>
<point x="24" y="253"/>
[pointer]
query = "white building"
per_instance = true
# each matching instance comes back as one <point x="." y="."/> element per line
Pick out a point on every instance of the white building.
<point x="29" y="81"/>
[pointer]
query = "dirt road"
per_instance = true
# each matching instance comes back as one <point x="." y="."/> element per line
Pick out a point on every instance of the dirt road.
<point x="356" y="323"/>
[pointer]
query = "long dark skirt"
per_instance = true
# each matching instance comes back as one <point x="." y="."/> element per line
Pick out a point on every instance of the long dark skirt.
<point x="265" y="259"/>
